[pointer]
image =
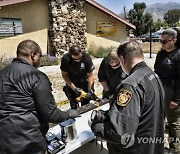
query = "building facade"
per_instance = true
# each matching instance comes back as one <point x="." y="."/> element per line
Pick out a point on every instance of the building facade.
<point x="57" y="24"/>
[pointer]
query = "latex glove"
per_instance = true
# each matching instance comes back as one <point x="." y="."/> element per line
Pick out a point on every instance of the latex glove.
<point x="99" y="116"/>
<point x="77" y="91"/>
<point x="73" y="113"/>
<point x="91" y="95"/>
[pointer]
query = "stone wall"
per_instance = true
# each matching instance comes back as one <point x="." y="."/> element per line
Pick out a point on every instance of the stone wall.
<point x="67" y="25"/>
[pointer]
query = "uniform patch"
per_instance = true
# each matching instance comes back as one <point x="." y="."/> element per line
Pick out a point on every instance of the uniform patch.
<point x="82" y="65"/>
<point x="124" y="97"/>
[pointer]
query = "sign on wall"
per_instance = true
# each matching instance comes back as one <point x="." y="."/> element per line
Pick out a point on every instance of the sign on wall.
<point x="10" y="26"/>
<point x="105" y="28"/>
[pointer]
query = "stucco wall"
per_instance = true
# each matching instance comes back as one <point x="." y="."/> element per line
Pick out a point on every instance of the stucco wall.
<point x="93" y="15"/>
<point x="35" y="23"/>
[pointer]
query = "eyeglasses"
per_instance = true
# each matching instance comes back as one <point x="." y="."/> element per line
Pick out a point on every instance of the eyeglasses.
<point x="164" y="41"/>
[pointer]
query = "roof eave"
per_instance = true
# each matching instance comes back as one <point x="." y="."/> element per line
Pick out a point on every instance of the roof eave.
<point x="112" y="14"/>
<point x="10" y="2"/>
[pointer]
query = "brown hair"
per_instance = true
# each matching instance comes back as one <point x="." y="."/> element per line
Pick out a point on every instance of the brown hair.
<point x="131" y="49"/>
<point x="112" y="56"/>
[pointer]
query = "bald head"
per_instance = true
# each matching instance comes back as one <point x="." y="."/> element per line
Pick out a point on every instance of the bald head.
<point x="26" y="47"/>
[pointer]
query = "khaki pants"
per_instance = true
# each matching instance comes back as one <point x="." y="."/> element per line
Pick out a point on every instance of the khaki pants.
<point x="173" y="119"/>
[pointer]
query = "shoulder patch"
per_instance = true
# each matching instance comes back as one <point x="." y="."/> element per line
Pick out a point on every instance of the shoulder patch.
<point x="124" y="97"/>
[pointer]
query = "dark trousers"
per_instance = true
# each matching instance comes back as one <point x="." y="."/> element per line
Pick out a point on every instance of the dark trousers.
<point x="71" y="95"/>
<point x="173" y="119"/>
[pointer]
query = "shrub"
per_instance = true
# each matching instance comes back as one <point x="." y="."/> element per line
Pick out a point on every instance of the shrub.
<point x="99" y="52"/>
<point x="5" y="61"/>
<point x="48" y="60"/>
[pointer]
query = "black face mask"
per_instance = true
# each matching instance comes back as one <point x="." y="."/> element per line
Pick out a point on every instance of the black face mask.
<point x="115" y="66"/>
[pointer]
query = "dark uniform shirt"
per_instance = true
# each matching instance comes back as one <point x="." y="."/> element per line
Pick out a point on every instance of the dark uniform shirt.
<point x="26" y="107"/>
<point x="77" y="71"/>
<point x="137" y="110"/>
<point x="167" y="66"/>
<point x="113" y="77"/>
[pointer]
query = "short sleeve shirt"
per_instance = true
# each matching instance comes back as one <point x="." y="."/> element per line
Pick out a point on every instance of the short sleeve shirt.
<point x="77" y="71"/>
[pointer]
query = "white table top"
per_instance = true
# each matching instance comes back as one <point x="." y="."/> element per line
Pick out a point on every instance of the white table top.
<point x="84" y="133"/>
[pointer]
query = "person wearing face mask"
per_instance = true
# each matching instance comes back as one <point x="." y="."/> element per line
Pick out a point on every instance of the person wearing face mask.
<point x="135" y="122"/>
<point x="77" y="71"/>
<point x="26" y="103"/>
<point x="167" y="66"/>
<point x="110" y="73"/>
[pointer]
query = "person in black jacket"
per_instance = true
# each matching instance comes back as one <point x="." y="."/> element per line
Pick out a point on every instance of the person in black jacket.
<point x="77" y="71"/>
<point x="110" y="73"/>
<point x="136" y="117"/>
<point x="26" y="103"/>
<point x="167" y="66"/>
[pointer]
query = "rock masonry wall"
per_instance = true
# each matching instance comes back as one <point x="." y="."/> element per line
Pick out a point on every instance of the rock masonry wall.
<point x="67" y="25"/>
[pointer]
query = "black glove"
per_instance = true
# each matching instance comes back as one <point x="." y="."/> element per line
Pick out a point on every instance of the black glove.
<point x="99" y="116"/>
<point x="73" y="113"/>
<point x="91" y="95"/>
<point x="77" y="91"/>
<point x="106" y="94"/>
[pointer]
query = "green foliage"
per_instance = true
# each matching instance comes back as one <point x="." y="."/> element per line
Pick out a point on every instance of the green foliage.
<point x="172" y="17"/>
<point x="143" y="22"/>
<point x="99" y="52"/>
<point x="158" y="24"/>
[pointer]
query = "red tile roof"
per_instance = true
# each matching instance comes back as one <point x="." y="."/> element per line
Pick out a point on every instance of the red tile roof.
<point x="9" y="2"/>
<point x="107" y="11"/>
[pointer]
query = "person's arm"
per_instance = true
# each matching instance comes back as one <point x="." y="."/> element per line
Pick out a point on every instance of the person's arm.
<point x="102" y="75"/>
<point x="45" y="103"/>
<point x="105" y="86"/>
<point x="89" y="69"/>
<point x="124" y="116"/>
<point x="90" y="80"/>
<point x="66" y="78"/>
<point x="176" y="100"/>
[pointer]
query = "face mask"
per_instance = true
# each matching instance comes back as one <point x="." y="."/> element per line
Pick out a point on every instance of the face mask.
<point x="115" y="66"/>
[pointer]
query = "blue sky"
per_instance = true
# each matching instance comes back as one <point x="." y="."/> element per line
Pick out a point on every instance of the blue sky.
<point x="117" y="5"/>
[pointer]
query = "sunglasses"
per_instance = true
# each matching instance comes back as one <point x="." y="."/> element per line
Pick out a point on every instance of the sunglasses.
<point x="165" y="41"/>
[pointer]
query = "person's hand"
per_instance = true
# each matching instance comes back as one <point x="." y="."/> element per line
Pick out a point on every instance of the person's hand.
<point x="78" y="91"/>
<point x="73" y="113"/>
<point x="173" y="105"/>
<point x="99" y="116"/>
